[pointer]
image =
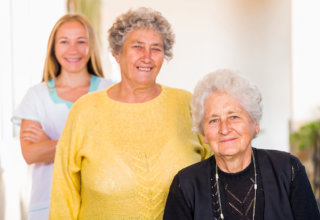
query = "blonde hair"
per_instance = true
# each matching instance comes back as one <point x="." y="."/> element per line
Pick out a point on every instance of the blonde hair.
<point x="52" y="67"/>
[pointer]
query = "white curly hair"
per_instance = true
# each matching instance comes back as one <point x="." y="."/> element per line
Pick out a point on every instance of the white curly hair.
<point x="232" y="83"/>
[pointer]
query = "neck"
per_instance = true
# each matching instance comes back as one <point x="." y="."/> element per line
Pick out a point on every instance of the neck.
<point x="234" y="164"/>
<point x="137" y="94"/>
<point x="73" y="80"/>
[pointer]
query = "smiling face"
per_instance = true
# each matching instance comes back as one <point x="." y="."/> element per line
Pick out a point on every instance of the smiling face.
<point x="71" y="47"/>
<point x="227" y="126"/>
<point x="141" y="57"/>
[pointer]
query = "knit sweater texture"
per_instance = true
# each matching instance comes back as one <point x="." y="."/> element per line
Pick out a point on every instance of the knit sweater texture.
<point x="116" y="160"/>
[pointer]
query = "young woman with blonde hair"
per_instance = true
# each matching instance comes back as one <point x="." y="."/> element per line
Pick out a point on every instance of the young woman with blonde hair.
<point x="72" y="69"/>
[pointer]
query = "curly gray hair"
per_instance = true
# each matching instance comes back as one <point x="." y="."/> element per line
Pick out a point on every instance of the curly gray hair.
<point x="233" y="84"/>
<point x="139" y="19"/>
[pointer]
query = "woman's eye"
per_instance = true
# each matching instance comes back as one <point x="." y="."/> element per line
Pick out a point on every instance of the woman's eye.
<point x="82" y="42"/>
<point x="156" y="49"/>
<point x="234" y="117"/>
<point x="213" y="121"/>
<point x="63" y="42"/>
<point x="137" y="46"/>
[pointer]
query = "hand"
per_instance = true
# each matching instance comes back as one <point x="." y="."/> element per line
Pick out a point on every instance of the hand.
<point x="33" y="133"/>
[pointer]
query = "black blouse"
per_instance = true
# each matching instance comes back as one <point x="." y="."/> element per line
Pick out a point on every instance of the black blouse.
<point x="237" y="193"/>
<point x="288" y="197"/>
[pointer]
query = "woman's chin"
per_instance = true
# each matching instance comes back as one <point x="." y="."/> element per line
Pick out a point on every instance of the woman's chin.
<point x="228" y="151"/>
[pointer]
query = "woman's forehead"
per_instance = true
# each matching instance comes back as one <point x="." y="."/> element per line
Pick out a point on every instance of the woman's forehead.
<point x="222" y="102"/>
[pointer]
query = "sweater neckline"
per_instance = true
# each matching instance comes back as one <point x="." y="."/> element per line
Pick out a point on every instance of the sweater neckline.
<point x="157" y="99"/>
<point x="237" y="174"/>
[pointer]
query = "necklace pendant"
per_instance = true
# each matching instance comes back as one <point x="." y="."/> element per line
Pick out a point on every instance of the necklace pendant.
<point x="221" y="215"/>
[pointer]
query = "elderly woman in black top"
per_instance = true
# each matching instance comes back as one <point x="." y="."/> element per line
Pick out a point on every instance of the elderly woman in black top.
<point x="239" y="181"/>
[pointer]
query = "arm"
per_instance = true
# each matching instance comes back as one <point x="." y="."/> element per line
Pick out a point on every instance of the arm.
<point x="303" y="202"/>
<point x="176" y="205"/>
<point x="36" y="146"/>
<point x="66" y="184"/>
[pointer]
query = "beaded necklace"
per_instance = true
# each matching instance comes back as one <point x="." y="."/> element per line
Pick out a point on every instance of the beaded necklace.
<point x="255" y="188"/>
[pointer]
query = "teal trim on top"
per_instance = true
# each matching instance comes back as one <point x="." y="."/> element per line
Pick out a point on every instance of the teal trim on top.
<point x="40" y="209"/>
<point x="94" y="83"/>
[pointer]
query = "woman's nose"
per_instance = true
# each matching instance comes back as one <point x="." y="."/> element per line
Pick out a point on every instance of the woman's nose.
<point x="224" y="127"/>
<point x="147" y="55"/>
<point x="72" y="48"/>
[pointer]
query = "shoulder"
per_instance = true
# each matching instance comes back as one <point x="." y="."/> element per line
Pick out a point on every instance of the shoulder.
<point x="193" y="179"/>
<point x="196" y="171"/>
<point x="103" y="82"/>
<point x="91" y="98"/>
<point x="40" y="87"/>
<point x="177" y="92"/>
<point x="276" y="155"/>
<point x="279" y="162"/>
<point x="178" y="97"/>
<point x="33" y="102"/>
<point x="89" y="101"/>
<point x="36" y="93"/>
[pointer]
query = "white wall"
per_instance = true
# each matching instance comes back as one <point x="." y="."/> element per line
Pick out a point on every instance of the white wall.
<point x="306" y="59"/>
<point x="25" y="27"/>
<point x="247" y="35"/>
<point x="32" y="22"/>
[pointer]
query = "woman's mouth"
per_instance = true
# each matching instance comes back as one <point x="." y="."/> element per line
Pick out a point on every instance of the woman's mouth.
<point x="72" y="60"/>
<point x="227" y="140"/>
<point x="145" y="69"/>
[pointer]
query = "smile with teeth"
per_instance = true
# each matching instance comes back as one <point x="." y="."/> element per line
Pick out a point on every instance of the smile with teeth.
<point x="73" y="60"/>
<point x="144" y="68"/>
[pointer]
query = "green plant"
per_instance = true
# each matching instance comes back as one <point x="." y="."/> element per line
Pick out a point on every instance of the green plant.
<point x="306" y="136"/>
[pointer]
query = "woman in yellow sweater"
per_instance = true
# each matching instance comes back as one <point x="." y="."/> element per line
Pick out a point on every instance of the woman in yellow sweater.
<point x="122" y="146"/>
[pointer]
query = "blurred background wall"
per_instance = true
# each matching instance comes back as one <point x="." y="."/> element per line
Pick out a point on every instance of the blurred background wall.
<point x="272" y="42"/>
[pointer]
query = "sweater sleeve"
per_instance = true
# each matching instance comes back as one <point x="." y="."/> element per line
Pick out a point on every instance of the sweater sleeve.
<point x="176" y="205"/>
<point x="207" y="152"/>
<point x="65" y="192"/>
<point x="302" y="199"/>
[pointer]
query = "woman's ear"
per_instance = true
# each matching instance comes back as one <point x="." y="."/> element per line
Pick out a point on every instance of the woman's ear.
<point x="205" y="140"/>
<point x="257" y="128"/>
<point x="117" y="57"/>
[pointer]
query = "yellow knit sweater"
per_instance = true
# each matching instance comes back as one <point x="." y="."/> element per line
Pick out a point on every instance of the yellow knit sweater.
<point x="116" y="160"/>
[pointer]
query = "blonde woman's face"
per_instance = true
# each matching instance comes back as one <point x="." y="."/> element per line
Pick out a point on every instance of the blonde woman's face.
<point x="72" y="47"/>
<point x="141" y="57"/>
<point x="228" y="127"/>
